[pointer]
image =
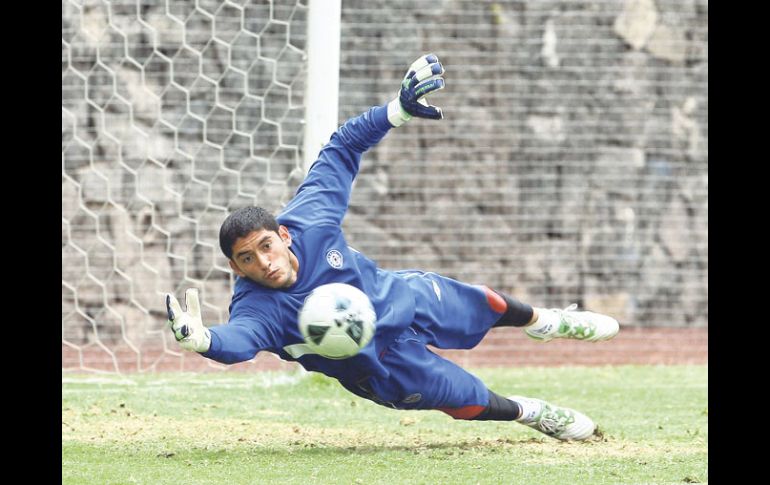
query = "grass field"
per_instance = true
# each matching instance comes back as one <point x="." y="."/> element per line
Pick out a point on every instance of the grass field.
<point x="234" y="428"/>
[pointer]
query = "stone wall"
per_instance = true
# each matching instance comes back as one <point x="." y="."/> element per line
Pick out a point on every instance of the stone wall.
<point x="572" y="163"/>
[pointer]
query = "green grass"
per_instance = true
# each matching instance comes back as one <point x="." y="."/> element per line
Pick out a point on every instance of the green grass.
<point x="229" y="428"/>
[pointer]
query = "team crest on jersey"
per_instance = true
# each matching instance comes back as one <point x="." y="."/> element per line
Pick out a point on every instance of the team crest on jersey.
<point x="334" y="258"/>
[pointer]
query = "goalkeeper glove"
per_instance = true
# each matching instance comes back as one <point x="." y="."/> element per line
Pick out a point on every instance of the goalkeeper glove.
<point x="423" y="77"/>
<point x="187" y="326"/>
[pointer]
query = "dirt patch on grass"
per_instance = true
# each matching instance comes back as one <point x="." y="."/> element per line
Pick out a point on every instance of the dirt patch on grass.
<point x="122" y="427"/>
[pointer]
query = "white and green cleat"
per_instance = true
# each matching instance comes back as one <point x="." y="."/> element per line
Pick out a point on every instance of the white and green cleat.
<point x="556" y="421"/>
<point x="568" y="323"/>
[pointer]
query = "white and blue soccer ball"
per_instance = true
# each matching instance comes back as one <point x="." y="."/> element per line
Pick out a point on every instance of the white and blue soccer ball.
<point x="337" y="320"/>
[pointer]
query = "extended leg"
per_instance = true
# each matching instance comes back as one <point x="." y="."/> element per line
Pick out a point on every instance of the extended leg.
<point x="421" y="379"/>
<point x="546" y="324"/>
<point x="555" y="421"/>
<point x="457" y="315"/>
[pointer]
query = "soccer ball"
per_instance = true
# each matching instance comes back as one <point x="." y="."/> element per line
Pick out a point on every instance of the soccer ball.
<point x="337" y="320"/>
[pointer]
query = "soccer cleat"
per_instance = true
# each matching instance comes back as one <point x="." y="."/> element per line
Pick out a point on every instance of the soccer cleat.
<point x="588" y="326"/>
<point x="558" y="422"/>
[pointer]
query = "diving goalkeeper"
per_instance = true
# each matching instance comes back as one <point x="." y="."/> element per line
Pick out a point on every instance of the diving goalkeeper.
<point x="280" y="260"/>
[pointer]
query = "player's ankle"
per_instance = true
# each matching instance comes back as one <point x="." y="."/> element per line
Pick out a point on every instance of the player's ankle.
<point x="530" y="408"/>
<point x="547" y="322"/>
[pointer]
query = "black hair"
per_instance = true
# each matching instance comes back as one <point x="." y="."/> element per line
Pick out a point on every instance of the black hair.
<point x="242" y="222"/>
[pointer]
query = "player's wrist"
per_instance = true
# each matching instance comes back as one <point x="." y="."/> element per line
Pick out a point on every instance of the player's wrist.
<point x="396" y="114"/>
<point x="204" y="342"/>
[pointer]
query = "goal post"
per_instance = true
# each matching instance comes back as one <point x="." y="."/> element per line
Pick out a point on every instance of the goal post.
<point x="323" y="76"/>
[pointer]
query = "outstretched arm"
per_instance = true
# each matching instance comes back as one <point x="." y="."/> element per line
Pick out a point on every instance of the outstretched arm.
<point x="325" y="194"/>
<point x="235" y="342"/>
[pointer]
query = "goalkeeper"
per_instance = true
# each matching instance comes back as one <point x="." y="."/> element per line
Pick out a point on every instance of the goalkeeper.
<point x="280" y="260"/>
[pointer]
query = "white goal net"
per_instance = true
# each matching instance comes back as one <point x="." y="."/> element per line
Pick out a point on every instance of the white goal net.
<point x="571" y="166"/>
<point x="173" y="113"/>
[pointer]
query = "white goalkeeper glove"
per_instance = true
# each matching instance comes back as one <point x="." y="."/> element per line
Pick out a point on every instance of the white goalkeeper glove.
<point x="422" y="78"/>
<point x="187" y="326"/>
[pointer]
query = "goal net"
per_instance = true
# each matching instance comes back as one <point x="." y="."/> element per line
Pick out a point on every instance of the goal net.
<point x="173" y="113"/>
<point x="571" y="166"/>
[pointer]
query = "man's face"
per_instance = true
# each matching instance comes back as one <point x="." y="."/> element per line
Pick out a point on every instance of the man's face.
<point x="263" y="256"/>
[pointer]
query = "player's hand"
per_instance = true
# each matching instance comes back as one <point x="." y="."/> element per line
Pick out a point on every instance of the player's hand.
<point x="187" y="326"/>
<point x="422" y="78"/>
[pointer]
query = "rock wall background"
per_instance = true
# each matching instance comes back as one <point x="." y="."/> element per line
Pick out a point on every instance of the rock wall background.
<point x="573" y="161"/>
<point x="572" y="165"/>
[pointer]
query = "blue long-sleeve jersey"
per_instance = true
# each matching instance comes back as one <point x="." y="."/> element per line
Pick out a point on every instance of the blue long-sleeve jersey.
<point x="263" y="318"/>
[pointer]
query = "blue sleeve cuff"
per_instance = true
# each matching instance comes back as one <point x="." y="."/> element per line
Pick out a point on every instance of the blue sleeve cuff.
<point x="215" y="347"/>
<point x="380" y="116"/>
